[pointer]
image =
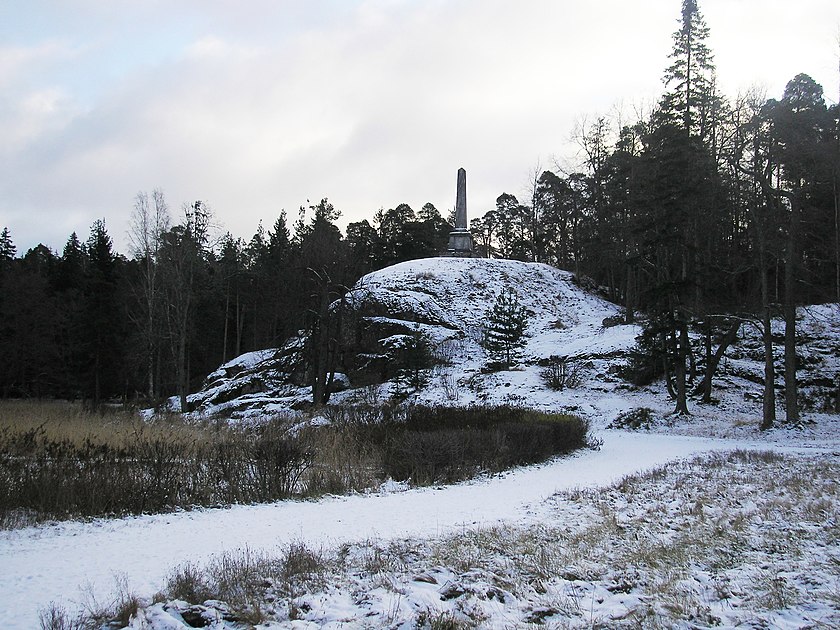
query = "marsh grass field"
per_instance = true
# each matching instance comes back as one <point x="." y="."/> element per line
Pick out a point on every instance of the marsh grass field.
<point x="60" y="461"/>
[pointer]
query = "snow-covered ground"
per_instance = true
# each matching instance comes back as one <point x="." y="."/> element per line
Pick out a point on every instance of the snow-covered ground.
<point x="449" y="298"/>
<point x="59" y="561"/>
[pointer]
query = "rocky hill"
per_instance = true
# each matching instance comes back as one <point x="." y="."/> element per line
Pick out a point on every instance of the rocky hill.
<point x="571" y="331"/>
<point x="445" y="301"/>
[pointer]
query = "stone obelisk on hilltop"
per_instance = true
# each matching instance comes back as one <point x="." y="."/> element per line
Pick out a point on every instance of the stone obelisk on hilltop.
<point x="460" y="239"/>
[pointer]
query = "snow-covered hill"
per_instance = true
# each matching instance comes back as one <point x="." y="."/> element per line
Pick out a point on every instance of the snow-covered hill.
<point x="446" y="300"/>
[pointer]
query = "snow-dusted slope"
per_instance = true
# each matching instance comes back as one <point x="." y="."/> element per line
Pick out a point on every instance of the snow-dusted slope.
<point x="458" y="292"/>
<point x="446" y="300"/>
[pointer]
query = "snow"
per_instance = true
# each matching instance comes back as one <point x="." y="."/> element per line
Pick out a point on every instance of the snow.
<point x="446" y="299"/>
<point x="51" y="563"/>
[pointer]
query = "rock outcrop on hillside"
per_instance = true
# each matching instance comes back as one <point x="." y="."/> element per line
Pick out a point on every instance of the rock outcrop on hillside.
<point x="445" y="302"/>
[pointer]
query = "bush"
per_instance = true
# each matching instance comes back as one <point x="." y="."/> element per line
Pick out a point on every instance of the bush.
<point x="562" y="372"/>
<point x="152" y="469"/>
<point x="242" y="578"/>
<point x="640" y="418"/>
<point x="158" y="467"/>
<point x="441" y="444"/>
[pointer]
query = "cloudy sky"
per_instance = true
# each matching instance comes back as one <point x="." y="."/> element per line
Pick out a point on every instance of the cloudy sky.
<point x="255" y="106"/>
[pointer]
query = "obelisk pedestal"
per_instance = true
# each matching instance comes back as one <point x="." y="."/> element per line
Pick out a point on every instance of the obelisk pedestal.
<point x="460" y="239"/>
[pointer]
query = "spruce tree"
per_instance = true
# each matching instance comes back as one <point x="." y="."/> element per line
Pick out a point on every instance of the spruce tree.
<point x="7" y="247"/>
<point x="102" y="317"/>
<point x="691" y="100"/>
<point x="504" y="333"/>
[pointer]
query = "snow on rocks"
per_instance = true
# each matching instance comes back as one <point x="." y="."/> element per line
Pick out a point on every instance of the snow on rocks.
<point x="446" y="301"/>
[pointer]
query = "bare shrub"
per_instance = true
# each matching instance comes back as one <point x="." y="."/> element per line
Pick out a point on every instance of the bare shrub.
<point x="55" y="617"/>
<point x="370" y="394"/>
<point x="449" y="383"/>
<point x="301" y="569"/>
<point x="563" y="372"/>
<point x="240" y="578"/>
<point x="146" y="468"/>
<point x="246" y="580"/>
<point x="154" y="467"/>
<point x="441" y="444"/>
<point x="126" y="603"/>
<point x="443" y="620"/>
<point x="188" y="582"/>
<point x="446" y="351"/>
<point x="344" y="462"/>
<point x="118" y="611"/>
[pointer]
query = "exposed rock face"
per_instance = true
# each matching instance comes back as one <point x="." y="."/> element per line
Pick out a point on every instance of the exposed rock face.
<point x="443" y="300"/>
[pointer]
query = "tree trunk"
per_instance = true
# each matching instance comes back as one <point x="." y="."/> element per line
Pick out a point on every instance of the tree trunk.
<point x="182" y="373"/>
<point x="666" y="368"/>
<point x="768" y="412"/>
<point x="791" y="258"/>
<point x="227" y="325"/>
<point x="713" y="360"/>
<point x="679" y="353"/>
<point x="791" y="398"/>
<point x="629" y="296"/>
<point x="685" y="346"/>
<point x="321" y="343"/>
<point x="240" y="321"/>
<point x="150" y="364"/>
<point x="837" y="396"/>
<point x="837" y="235"/>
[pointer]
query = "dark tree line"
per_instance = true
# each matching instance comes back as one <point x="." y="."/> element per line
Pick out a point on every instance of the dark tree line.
<point x="91" y="324"/>
<point x="703" y="215"/>
<point x="706" y="213"/>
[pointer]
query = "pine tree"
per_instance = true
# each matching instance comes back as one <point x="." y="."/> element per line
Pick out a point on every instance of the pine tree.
<point x="692" y="100"/>
<point x="7" y="247"/>
<point x="504" y="333"/>
<point x="102" y="317"/>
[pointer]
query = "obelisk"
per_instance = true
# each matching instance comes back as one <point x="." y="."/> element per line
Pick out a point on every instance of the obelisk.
<point x="460" y="239"/>
<point x="461" y="201"/>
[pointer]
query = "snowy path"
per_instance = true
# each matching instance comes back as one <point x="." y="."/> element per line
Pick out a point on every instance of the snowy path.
<point x="39" y="565"/>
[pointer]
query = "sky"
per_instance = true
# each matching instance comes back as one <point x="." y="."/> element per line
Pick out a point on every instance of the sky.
<point x="260" y="106"/>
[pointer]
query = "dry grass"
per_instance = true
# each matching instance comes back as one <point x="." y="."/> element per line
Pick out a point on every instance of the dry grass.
<point x="730" y="539"/>
<point x="94" y="614"/>
<point x="735" y="533"/>
<point x="72" y="421"/>
<point x="58" y="461"/>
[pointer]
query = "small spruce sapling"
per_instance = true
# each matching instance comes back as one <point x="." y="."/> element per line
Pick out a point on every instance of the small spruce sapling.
<point x="504" y="332"/>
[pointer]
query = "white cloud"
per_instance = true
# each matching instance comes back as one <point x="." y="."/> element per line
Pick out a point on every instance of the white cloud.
<point x="369" y="103"/>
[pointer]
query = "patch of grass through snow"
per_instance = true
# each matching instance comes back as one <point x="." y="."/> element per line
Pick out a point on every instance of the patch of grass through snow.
<point x="728" y="538"/>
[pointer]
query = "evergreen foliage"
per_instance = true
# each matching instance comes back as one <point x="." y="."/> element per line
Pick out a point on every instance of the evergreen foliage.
<point x="7" y="247"/>
<point x="412" y="355"/>
<point x="504" y="332"/>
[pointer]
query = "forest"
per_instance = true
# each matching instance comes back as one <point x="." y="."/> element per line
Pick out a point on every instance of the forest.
<point x="705" y="213"/>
